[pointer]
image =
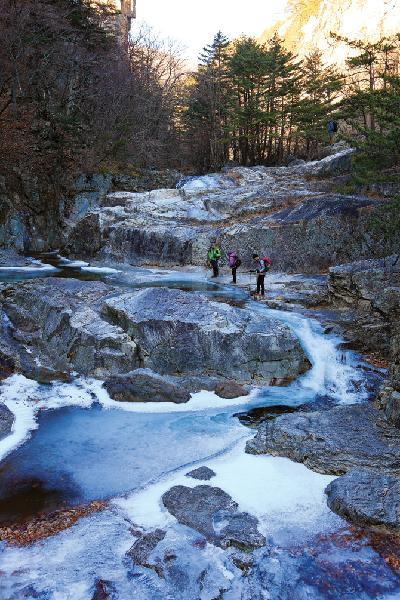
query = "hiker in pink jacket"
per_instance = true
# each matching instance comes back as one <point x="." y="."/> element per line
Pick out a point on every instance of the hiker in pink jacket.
<point x="234" y="262"/>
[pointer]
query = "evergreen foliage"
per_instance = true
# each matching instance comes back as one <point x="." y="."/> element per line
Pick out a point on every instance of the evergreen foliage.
<point x="257" y="103"/>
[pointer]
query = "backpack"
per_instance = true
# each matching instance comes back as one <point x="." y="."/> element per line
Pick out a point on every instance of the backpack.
<point x="267" y="262"/>
<point x="334" y="127"/>
<point x="238" y="262"/>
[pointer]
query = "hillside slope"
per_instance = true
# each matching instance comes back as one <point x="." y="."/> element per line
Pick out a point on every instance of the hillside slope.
<point x="308" y="24"/>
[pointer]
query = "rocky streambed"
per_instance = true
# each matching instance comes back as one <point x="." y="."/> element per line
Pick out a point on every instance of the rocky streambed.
<point x="162" y="435"/>
<point x="187" y="512"/>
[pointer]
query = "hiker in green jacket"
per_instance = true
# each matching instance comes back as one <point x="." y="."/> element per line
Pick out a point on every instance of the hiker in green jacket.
<point x="213" y="255"/>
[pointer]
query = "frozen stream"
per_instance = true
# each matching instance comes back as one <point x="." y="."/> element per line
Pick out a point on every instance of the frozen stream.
<point x="73" y="444"/>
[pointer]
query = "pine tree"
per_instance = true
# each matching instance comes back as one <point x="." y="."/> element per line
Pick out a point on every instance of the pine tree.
<point x="284" y="77"/>
<point x="372" y="105"/>
<point x="208" y="111"/>
<point x="321" y="89"/>
<point x="248" y="71"/>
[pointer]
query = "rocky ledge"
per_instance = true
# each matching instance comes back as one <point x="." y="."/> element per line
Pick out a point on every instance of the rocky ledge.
<point x="182" y="333"/>
<point x="370" y="289"/>
<point x="366" y="498"/>
<point x="354" y="441"/>
<point x="6" y="421"/>
<point x="57" y="327"/>
<point x="285" y="211"/>
<point x="333" y="441"/>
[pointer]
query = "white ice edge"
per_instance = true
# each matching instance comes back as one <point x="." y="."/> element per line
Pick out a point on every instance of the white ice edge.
<point x="99" y="269"/>
<point x="199" y="401"/>
<point x="25" y="398"/>
<point x="65" y="262"/>
<point x="35" y="267"/>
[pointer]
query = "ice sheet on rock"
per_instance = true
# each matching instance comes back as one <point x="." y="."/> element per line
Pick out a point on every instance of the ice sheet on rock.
<point x="25" y="398"/>
<point x="15" y="393"/>
<point x="67" y="565"/>
<point x="104" y="270"/>
<point x="65" y="262"/>
<point x="200" y="401"/>
<point x="287" y="498"/>
<point x="35" y="267"/>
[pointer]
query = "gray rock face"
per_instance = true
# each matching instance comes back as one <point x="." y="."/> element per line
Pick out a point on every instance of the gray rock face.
<point x="144" y="546"/>
<point x="58" y="326"/>
<point x="183" y="333"/>
<point x="212" y="512"/>
<point x="321" y="208"/>
<point x="202" y="473"/>
<point x="366" y="498"/>
<point x="6" y="421"/>
<point x="140" y="386"/>
<point x="371" y="288"/>
<point x="10" y="258"/>
<point x="281" y="211"/>
<point x="333" y="441"/>
<point x="58" y="320"/>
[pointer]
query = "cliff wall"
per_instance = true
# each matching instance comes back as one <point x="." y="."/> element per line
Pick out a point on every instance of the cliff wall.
<point x="307" y="24"/>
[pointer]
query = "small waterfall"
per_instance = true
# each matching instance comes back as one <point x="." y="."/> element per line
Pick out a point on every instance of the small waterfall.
<point x="334" y="371"/>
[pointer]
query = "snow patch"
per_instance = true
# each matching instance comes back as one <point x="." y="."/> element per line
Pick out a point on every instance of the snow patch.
<point x="286" y="497"/>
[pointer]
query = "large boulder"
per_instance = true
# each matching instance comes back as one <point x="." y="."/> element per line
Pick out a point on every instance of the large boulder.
<point x="59" y="328"/>
<point x="334" y="441"/>
<point x="184" y="333"/>
<point x="366" y="498"/>
<point x="213" y="513"/>
<point x="145" y="386"/>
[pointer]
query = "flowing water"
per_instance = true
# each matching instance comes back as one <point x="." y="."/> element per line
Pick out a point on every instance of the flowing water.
<point x="72" y="444"/>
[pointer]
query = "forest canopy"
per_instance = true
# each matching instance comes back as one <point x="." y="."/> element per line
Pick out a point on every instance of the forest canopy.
<point x="74" y="99"/>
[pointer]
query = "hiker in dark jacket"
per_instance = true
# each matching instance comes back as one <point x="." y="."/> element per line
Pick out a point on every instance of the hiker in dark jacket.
<point x="234" y="262"/>
<point x="332" y="129"/>
<point x="263" y="265"/>
<point x="213" y="255"/>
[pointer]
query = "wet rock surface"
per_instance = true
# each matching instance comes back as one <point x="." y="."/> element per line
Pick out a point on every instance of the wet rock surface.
<point x="144" y="386"/>
<point x="6" y="421"/>
<point x="202" y="473"/>
<point x="254" y="417"/>
<point x="144" y="546"/>
<point x="57" y="322"/>
<point x="214" y="514"/>
<point x="282" y="210"/>
<point x="366" y="498"/>
<point x="333" y="441"/>
<point x="178" y="332"/>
